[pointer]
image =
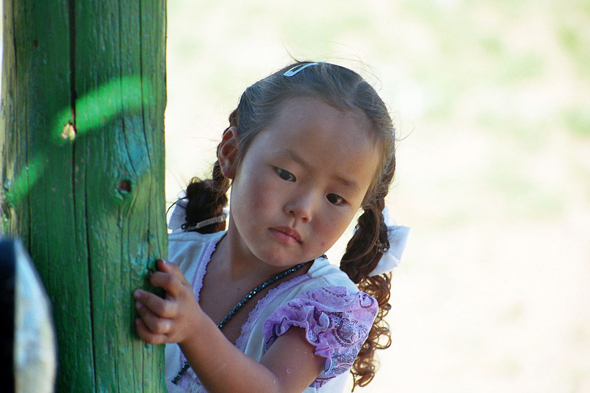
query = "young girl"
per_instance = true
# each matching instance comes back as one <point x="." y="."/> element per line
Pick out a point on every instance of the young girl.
<point x="306" y="148"/>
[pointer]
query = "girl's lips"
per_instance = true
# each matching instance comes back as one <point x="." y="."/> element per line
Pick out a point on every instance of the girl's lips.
<point x="286" y="234"/>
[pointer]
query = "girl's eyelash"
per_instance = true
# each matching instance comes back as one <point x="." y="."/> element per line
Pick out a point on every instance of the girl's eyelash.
<point x="285" y="175"/>
<point x="288" y="176"/>
<point x="335" y="199"/>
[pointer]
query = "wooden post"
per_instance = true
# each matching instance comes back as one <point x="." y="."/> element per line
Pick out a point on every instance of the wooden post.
<point x="82" y="171"/>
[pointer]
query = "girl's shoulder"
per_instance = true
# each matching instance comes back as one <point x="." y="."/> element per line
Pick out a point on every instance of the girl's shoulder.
<point x="187" y="247"/>
<point x="335" y="315"/>
<point x="195" y="237"/>
<point x="181" y="242"/>
<point x="323" y="273"/>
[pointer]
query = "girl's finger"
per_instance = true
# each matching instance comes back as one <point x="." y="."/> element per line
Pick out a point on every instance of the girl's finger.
<point x="169" y="267"/>
<point x="146" y="335"/>
<point x="168" y="282"/>
<point x="154" y="323"/>
<point x="161" y="307"/>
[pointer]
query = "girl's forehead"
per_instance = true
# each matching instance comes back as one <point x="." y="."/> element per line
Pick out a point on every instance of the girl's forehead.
<point x="321" y="136"/>
<point x="301" y="110"/>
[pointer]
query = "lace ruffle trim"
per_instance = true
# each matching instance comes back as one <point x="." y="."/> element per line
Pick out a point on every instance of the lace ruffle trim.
<point x="337" y="322"/>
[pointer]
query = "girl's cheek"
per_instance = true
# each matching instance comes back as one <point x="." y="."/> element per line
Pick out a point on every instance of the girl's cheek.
<point x="267" y="190"/>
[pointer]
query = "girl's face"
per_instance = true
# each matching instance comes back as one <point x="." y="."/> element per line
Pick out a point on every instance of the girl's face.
<point x="300" y="182"/>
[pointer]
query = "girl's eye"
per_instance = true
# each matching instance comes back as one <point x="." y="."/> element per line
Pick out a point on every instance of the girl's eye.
<point x="283" y="174"/>
<point x="334" y="199"/>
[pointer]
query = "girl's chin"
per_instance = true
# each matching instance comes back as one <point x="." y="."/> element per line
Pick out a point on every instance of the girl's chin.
<point x="280" y="261"/>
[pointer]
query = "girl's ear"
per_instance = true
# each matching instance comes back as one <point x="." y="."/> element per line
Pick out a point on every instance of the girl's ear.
<point x="227" y="152"/>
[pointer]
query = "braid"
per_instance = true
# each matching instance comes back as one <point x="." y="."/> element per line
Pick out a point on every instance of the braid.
<point x="206" y="199"/>
<point x="364" y="367"/>
<point x="361" y="257"/>
<point x="362" y="252"/>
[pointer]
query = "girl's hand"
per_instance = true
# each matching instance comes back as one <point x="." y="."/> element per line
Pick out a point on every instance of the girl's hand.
<point x="172" y="319"/>
<point x="290" y="365"/>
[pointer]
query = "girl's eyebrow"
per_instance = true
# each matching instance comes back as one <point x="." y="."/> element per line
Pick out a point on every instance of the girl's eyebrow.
<point x="298" y="159"/>
<point x="348" y="183"/>
<point x="301" y="161"/>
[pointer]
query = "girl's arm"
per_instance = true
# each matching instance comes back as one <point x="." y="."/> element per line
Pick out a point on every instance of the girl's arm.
<point x="289" y="365"/>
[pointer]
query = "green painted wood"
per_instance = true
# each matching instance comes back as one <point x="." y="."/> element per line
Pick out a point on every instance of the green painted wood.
<point x="82" y="168"/>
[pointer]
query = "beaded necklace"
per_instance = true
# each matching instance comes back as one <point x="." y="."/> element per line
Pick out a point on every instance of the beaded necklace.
<point x="241" y="303"/>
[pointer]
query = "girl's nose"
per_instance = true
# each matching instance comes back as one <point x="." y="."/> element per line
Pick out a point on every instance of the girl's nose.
<point x="301" y="207"/>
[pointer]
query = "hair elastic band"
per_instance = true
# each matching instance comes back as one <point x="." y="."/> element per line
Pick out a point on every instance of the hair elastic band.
<point x="177" y="219"/>
<point x="204" y="223"/>
<point x="299" y="67"/>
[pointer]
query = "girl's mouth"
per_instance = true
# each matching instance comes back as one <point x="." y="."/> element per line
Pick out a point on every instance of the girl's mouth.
<point x="286" y="234"/>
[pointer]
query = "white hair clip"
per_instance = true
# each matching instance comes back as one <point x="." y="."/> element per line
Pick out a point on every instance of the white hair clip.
<point x="298" y="68"/>
<point x="397" y="236"/>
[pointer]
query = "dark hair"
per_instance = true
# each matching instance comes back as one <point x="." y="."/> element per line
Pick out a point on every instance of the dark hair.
<point x="345" y="90"/>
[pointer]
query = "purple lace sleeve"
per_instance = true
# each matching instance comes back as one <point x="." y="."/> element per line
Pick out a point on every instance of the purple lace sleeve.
<point x="336" y="320"/>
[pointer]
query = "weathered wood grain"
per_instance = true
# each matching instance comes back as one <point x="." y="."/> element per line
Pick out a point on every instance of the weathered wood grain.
<point x="82" y="136"/>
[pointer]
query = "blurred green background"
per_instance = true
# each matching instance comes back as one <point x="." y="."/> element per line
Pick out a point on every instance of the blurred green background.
<point x="491" y="100"/>
<point x="492" y="105"/>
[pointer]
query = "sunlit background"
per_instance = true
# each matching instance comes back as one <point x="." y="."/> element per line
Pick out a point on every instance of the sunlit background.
<point x="491" y="100"/>
<point x="492" y="104"/>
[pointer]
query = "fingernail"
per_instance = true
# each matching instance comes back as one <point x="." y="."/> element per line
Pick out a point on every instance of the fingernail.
<point x="137" y="294"/>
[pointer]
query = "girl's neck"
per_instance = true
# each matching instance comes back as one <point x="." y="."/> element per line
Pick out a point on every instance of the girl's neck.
<point x="237" y="265"/>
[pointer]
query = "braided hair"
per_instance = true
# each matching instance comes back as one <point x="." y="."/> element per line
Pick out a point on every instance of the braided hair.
<point x="345" y="90"/>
